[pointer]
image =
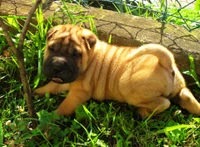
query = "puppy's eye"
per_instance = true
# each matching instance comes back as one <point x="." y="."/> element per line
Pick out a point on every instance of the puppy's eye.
<point x="51" y="48"/>
<point x="76" y="54"/>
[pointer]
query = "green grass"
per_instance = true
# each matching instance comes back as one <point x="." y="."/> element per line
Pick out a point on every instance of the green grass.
<point x="94" y="123"/>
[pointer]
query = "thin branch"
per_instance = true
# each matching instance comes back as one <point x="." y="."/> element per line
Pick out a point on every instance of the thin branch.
<point x="27" y="22"/>
<point x="20" y="56"/>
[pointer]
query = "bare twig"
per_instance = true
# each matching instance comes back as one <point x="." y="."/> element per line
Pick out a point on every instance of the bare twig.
<point x="20" y="56"/>
<point x="27" y="22"/>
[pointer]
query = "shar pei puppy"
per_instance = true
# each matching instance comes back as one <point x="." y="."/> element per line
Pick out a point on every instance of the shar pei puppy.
<point x="147" y="77"/>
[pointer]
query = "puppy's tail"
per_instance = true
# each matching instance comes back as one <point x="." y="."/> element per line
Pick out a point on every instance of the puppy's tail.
<point x="166" y="58"/>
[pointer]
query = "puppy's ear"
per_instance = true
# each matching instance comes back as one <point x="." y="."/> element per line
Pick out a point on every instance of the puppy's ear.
<point x="51" y="32"/>
<point x="89" y="38"/>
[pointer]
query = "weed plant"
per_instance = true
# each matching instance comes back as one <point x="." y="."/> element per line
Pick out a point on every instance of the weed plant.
<point x="103" y="124"/>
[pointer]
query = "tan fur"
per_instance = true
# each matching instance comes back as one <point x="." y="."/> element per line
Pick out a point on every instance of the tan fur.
<point x="146" y="77"/>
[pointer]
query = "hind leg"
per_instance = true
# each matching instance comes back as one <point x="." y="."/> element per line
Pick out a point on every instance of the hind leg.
<point x="188" y="101"/>
<point x="156" y="106"/>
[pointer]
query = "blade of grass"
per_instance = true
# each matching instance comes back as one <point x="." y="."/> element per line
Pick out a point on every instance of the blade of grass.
<point x="40" y="36"/>
<point x="117" y="9"/>
<point x="168" y="129"/>
<point x="93" y="26"/>
<point x="88" y="134"/>
<point x="110" y="39"/>
<point x="67" y="12"/>
<point x="88" y="112"/>
<point x="40" y="21"/>
<point x="1" y="134"/>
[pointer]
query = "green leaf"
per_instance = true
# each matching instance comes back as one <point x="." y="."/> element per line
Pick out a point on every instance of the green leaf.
<point x="22" y="125"/>
<point x="44" y="116"/>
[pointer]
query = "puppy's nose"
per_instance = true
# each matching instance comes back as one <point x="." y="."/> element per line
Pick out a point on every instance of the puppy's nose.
<point x="58" y="64"/>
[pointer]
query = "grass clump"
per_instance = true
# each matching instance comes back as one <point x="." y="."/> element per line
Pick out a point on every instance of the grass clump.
<point x="103" y="124"/>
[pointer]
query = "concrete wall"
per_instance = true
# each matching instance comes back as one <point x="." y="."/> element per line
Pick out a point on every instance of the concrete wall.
<point x="125" y="29"/>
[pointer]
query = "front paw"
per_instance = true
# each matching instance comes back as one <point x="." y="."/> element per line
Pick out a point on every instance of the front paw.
<point x="38" y="93"/>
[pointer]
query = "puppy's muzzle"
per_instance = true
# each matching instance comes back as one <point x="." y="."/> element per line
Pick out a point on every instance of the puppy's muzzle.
<point x="60" y="69"/>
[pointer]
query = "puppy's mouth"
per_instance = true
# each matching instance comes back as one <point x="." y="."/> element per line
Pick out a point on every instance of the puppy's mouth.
<point x="60" y="69"/>
<point x="57" y="80"/>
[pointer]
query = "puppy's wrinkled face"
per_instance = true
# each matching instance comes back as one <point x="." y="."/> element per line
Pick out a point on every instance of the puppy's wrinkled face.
<point x="67" y="46"/>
